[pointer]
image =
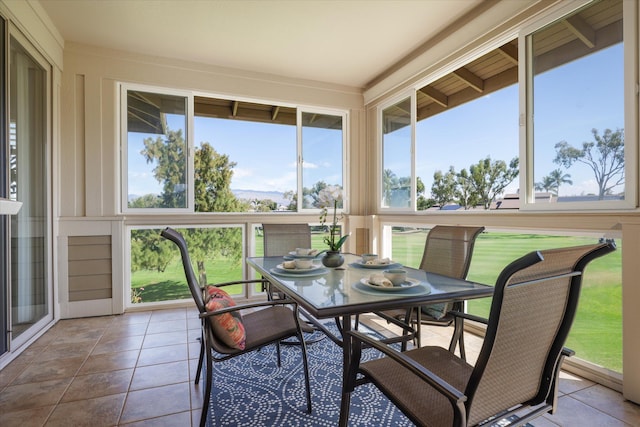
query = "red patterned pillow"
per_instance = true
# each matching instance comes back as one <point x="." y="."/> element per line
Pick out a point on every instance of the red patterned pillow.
<point x="227" y="327"/>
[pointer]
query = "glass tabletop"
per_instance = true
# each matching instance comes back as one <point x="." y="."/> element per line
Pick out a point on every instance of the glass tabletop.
<point x="329" y="292"/>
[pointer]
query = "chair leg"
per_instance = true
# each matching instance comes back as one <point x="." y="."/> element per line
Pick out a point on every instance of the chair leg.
<point x="207" y="391"/>
<point x="305" y="364"/>
<point x="200" y="359"/>
<point x="278" y="353"/>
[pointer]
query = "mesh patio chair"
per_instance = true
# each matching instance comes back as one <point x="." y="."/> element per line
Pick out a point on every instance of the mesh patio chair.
<point x="264" y="323"/>
<point x="517" y="370"/>
<point x="281" y="239"/>
<point x="447" y="251"/>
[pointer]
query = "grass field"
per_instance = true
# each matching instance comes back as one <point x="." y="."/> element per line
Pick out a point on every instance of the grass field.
<point x="596" y="335"/>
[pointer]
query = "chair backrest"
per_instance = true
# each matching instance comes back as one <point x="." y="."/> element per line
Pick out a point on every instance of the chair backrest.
<point x="448" y="250"/>
<point x="194" y="287"/>
<point x="280" y="239"/>
<point x="533" y="307"/>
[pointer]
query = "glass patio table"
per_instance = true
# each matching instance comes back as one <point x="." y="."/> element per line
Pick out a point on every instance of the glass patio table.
<point x="344" y="292"/>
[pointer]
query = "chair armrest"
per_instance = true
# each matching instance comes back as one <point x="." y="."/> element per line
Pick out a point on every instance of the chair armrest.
<point x="410" y="332"/>
<point x="453" y="394"/>
<point x="247" y="306"/>
<point x="469" y="317"/>
<point x="239" y="282"/>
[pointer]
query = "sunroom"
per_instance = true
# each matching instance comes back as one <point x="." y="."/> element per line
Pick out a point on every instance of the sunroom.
<point x="126" y="141"/>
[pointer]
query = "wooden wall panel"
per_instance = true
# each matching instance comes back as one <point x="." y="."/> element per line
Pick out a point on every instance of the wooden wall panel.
<point x="90" y="267"/>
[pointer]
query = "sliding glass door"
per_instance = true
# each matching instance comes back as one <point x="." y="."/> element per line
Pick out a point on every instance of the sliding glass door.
<point x="25" y="168"/>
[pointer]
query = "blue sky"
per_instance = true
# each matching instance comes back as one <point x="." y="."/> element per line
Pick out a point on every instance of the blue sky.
<point x="569" y="101"/>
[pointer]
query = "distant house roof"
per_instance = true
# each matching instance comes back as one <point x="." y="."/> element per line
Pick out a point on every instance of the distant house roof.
<point x="512" y="201"/>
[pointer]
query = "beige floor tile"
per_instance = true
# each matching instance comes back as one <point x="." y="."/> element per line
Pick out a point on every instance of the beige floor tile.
<point x="126" y="329"/>
<point x="572" y="412"/>
<point x="112" y="344"/>
<point x="132" y="318"/>
<point x="35" y="417"/>
<point x="65" y="350"/>
<point x="50" y="370"/>
<point x="97" y="412"/>
<point x="11" y="371"/>
<point x="167" y="400"/>
<point x="110" y="362"/>
<point x="32" y="395"/>
<point x="167" y="338"/>
<point x="181" y="419"/>
<point x="177" y="325"/>
<point x="169" y="314"/>
<point x="99" y="384"/>
<point x="611" y="402"/>
<point x="159" y="375"/>
<point x="168" y="353"/>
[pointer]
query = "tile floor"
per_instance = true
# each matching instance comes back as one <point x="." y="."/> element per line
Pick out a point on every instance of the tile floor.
<point x="138" y="369"/>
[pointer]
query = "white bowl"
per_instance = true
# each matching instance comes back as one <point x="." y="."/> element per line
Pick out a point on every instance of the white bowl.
<point x="368" y="257"/>
<point x="397" y="276"/>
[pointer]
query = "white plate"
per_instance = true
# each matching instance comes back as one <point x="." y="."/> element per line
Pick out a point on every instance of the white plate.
<point x="280" y="269"/>
<point x="293" y="254"/>
<point x="407" y="284"/>
<point x="376" y="266"/>
<point x="289" y="272"/>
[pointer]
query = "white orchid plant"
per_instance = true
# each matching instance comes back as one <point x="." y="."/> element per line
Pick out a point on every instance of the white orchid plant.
<point x="329" y="197"/>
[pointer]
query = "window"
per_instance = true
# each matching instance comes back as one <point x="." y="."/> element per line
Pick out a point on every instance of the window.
<point x="537" y="122"/>
<point x="577" y="88"/>
<point x="243" y="157"/>
<point x="156" y="157"/>
<point x="397" y="144"/>
<point x="156" y="270"/>
<point x="322" y="154"/>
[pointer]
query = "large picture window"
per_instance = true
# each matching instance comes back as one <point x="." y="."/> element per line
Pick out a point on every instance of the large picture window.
<point x="243" y="156"/>
<point x="536" y="122"/>
<point x="577" y="90"/>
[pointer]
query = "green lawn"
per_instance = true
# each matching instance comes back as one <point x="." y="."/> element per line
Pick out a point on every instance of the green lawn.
<point x="595" y="336"/>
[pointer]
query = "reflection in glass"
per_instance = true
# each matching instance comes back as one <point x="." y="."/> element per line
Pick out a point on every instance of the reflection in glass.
<point x="396" y="155"/>
<point x="157" y="150"/>
<point x="322" y="136"/>
<point x="28" y="184"/>
<point x="578" y="97"/>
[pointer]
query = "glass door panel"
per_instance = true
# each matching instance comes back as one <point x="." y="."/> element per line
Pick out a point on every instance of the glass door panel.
<point x="30" y="293"/>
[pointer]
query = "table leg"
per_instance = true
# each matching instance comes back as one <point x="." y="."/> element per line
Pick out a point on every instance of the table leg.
<point x="345" y="402"/>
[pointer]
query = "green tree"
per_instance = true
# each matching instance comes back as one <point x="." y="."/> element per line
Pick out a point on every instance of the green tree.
<point x="292" y="197"/>
<point x="149" y="251"/>
<point x="464" y="193"/>
<point x="212" y="193"/>
<point x="213" y="173"/>
<point x="146" y="201"/>
<point x="169" y="156"/>
<point x="547" y="184"/>
<point x="489" y="179"/>
<point x="605" y="158"/>
<point x="443" y="187"/>
<point x="558" y="177"/>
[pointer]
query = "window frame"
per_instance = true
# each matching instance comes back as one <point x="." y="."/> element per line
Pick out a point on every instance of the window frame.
<point x="124" y="149"/>
<point x="630" y="104"/>
<point x="525" y="149"/>
<point x="411" y="95"/>
<point x="190" y="135"/>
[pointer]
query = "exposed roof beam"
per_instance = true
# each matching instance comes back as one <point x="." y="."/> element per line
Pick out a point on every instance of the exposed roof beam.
<point x="274" y="112"/>
<point x="510" y="52"/>
<point x="582" y="30"/>
<point x="234" y="108"/>
<point x="437" y="96"/>
<point x="469" y="78"/>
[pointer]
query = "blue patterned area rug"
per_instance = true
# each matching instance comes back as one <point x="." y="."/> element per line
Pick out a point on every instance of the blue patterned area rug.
<point x="250" y="390"/>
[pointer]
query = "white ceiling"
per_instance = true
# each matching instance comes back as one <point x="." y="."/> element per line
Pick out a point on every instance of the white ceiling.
<point x="349" y="42"/>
